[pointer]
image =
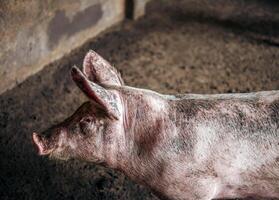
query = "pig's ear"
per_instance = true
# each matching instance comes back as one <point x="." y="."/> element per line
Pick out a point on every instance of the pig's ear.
<point x="102" y="97"/>
<point x="98" y="70"/>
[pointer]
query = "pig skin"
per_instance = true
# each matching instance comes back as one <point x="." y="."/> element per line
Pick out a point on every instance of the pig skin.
<point x="191" y="146"/>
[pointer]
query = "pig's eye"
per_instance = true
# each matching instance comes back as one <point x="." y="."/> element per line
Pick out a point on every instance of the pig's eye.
<point x="87" y="120"/>
<point x="85" y="124"/>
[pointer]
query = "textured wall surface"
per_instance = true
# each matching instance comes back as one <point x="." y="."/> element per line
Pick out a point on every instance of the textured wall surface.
<point x="139" y="8"/>
<point x="35" y="33"/>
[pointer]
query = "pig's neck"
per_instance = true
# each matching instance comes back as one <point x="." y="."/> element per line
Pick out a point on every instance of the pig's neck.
<point x="145" y="121"/>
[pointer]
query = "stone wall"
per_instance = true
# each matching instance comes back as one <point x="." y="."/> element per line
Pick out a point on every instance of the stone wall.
<point x="35" y="33"/>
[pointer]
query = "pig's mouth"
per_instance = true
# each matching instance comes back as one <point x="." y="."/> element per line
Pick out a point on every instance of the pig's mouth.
<point x="41" y="145"/>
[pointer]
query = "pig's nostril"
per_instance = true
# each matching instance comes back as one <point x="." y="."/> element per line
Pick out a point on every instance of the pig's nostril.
<point x="39" y="144"/>
<point x="35" y="138"/>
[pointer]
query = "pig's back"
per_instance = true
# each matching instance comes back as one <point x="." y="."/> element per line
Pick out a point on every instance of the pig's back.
<point x="241" y="112"/>
<point x="234" y="136"/>
<point x="230" y="119"/>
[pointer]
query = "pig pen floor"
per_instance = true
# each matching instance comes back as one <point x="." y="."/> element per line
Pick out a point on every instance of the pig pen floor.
<point x="178" y="47"/>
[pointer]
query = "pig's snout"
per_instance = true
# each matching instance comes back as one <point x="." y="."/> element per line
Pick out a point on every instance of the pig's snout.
<point x="41" y="145"/>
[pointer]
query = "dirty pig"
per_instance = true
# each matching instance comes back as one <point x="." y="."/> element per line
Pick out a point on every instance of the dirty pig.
<point x="190" y="146"/>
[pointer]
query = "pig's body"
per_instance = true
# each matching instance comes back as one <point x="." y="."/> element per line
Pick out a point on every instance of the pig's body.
<point x="203" y="146"/>
<point x="195" y="147"/>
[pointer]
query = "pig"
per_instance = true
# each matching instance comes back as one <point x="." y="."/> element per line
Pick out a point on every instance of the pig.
<point x="190" y="146"/>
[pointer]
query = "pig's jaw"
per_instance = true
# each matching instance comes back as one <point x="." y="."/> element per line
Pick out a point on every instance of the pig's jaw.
<point x="144" y="121"/>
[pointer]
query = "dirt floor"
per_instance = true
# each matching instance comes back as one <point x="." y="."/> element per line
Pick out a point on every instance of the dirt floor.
<point x="178" y="47"/>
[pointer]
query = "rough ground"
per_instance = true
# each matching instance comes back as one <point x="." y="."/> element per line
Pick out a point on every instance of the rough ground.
<point x="182" y="46"/>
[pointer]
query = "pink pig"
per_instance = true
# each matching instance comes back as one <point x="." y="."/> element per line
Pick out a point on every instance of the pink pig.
<point x="196" y="147"/>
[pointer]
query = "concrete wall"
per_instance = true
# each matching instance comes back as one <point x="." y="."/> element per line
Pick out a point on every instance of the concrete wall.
<point x="35" y="33"/>
<point x="139" y="8"/>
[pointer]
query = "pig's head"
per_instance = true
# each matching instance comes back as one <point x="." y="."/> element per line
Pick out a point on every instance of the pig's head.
<point x="97" y="122"/>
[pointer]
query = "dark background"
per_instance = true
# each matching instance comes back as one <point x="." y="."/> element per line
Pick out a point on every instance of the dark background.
<point x="178" y="47"/>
